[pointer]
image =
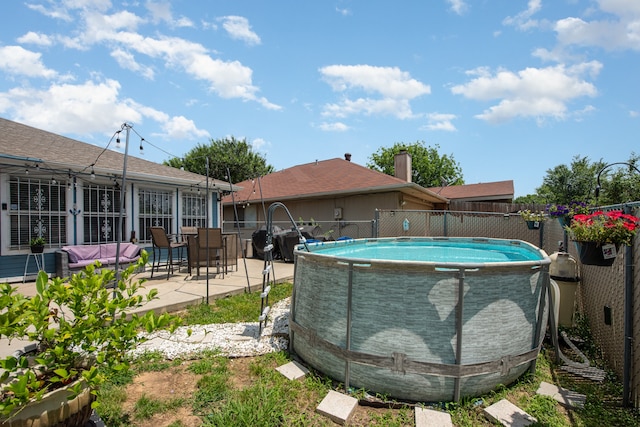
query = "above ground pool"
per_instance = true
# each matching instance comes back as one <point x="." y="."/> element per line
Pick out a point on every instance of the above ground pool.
<point x="423" y="319"/>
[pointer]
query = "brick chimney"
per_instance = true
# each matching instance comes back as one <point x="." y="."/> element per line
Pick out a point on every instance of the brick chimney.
<point x="402" y="165"/>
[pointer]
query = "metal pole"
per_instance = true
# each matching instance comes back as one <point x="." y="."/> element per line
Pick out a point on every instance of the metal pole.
<point x="207" y="226"/>
<point x="122" y="202"/>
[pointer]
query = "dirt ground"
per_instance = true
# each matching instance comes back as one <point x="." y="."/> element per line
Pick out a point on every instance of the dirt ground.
<point x="177" y="381"/>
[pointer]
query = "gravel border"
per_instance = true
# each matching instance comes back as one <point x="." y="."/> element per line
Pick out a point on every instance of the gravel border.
<point x="228" y="339"/>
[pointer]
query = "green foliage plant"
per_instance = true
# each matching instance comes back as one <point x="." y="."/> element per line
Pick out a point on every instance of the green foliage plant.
<point x="428" y="167"/>
<point x="236" y="155"/>
<point x="37" y="241"/>
<point x="80" y="328"/>
<point x="529" y="215"/>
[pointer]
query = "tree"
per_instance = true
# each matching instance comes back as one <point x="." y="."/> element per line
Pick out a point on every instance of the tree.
<point x="428" y="168"/>
<point x="238" y="156"/>
<point x="564" y="184"/>
<point x="620" y="182"/>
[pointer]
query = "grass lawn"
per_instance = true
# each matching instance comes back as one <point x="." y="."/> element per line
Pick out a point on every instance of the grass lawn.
<point x="212" y="390"/>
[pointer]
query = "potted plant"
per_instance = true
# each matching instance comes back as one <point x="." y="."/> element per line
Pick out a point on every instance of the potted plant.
<point x="564" y="213"/>
<point x="532" y="218"/>
<point x="37" y="244"/>
<point x="599" y="235"/>
<point x="79" y="329"/>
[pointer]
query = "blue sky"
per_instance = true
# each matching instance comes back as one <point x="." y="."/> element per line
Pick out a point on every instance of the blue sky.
<point x="509" y="88"/>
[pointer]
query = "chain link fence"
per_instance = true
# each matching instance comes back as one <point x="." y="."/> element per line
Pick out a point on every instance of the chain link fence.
<point x="600" y="294"/>
<point x="600" y="289"/>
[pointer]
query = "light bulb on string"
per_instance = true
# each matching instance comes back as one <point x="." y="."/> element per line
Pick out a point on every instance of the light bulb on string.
<point x="141" y="147"/>
<point x="93" y="173"/>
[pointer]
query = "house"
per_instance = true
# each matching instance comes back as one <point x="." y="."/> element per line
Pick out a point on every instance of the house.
<point x="333" y="193"/>
<point x="70" y="192"/>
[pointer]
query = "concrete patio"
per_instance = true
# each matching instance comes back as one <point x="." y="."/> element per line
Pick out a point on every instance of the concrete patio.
<point x="180" y="290"/>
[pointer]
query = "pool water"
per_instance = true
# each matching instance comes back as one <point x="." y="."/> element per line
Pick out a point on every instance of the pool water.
<point x="431" y="251"/>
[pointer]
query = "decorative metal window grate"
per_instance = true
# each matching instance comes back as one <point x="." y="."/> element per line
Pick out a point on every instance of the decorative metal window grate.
<point x="101" y="214"/>
<point x="37" y="209"/>
<point x="156" y="209"/>
<point x="194" y="213"/>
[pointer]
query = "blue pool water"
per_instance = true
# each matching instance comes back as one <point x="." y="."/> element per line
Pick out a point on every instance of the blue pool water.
<point x="431" y="251"/>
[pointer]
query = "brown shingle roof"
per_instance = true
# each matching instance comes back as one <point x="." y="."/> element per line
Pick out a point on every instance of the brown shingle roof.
<point x="498" y="190"/>
<point x="60" y="153"/>
<point x="324" y="178"/>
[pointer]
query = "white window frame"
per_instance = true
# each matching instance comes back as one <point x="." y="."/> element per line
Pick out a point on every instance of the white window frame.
<point x="155" y="207"/>
<point x="38" y="208"/>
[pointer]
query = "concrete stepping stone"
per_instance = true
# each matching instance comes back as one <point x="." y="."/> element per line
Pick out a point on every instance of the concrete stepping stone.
<point x="566" y="397"/>
<point x="432" y="418"/>
<point x="337" y="406"/>
<point x="293" y="370"/>
<point x="508" y="414"/>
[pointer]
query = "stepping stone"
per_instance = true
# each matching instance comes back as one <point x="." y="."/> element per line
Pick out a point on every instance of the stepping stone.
<point x="293" y="370"/>
<point x="200" y="338"/>
<point x="337" y="406"/>
<point x="566" y="397"/>
<point x="432" y="418"/>
<point x="153" y="343"/>
<point x="508" y="414"/>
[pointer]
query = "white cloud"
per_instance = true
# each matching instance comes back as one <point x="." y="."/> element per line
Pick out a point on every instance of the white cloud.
<point x="524" y="20"/>
<point x="394" y="88"/>
<point x="238" y="28"/>
<point x="343" y="12"/>
<point x="609" y="35"/>
<point x="228" y="79"/>
<point x="161" y="12"/>
<point x="180" y="128"/>
<point x="36" y="38"/>
<point x="87" y="108"/>
<point x="259" y="144"/>
<point x="458" y="6"/>
<point x="127" y="61"/>
<point x="22" y="62"/>
<point x="532" y="92"/>
<point x="440" y="121"/>
<point x="57" y="11"/>
<point x="333" y="127"/>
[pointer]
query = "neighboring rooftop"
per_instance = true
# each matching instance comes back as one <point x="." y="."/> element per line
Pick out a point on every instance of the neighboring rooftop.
<point x="327" y="178"/>
<point x="499" y="191"/>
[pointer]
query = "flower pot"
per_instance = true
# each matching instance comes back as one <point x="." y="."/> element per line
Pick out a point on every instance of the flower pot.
<point x="37" y="249"/>
<point x="596" y="253"/>
<point x="54" y="409"/>
<point x="564" y="221"/>
<point x="533" y="225"/>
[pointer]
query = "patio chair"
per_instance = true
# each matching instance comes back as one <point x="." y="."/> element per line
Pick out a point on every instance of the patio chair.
<point x="197" y="250"/>
<point x="187" y="231"/>
<point x="161" y="241"/>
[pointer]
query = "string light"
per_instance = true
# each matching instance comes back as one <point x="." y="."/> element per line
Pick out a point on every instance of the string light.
<point x="93" y="173"/>
<point x="141" y="147"/>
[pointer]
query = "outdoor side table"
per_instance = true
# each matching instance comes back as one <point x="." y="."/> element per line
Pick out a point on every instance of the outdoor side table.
<point x="39" y="259"/>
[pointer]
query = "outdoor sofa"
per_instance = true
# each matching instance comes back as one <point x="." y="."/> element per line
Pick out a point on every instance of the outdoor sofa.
<point x="71" y="259"/>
